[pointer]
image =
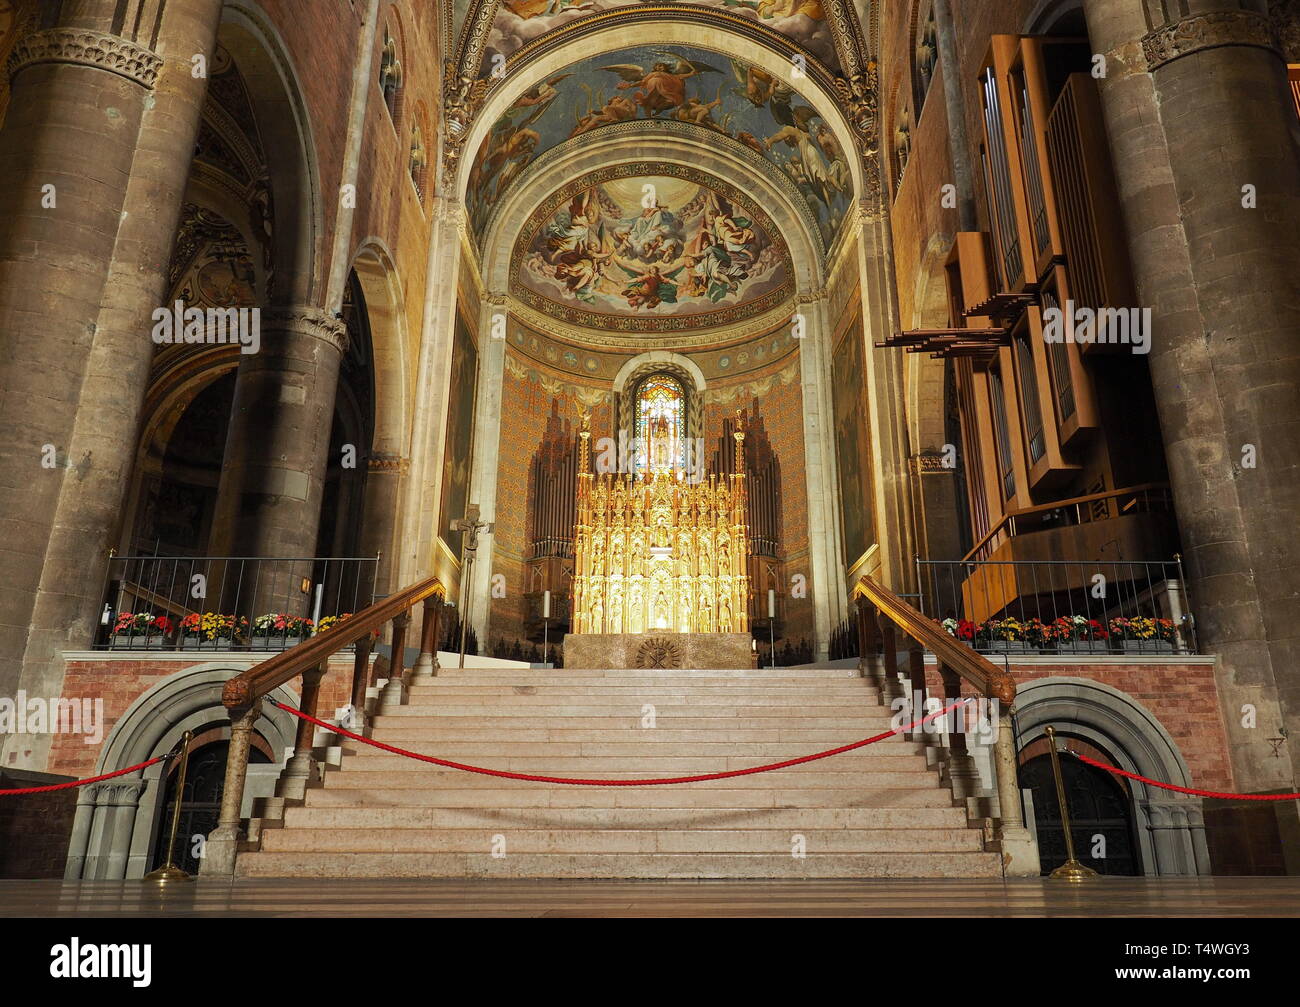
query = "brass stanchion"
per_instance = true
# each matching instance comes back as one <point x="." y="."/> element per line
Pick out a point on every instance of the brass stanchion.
<point x="169" y="873"/>
<point x="1071" y="870"/>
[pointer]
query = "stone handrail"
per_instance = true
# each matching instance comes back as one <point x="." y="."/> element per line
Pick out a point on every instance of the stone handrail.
<point x="983" y="675"/>
<point x="256" y="682"/>
<point x="881" y="616"/>
<point x="242" y="697"/>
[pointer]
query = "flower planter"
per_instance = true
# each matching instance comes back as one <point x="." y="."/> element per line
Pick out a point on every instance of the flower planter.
<point x="1079" y="647"/>
<point x="198" y="643"/>
<point x="274" y="641"/>
<point x="1004" y="647"/>
<point x="1142" y="647"/>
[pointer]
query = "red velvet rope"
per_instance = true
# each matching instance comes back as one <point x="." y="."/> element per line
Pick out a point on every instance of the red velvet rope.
<point x="80" y="783"/>
<point x="617" y="783"/>
<point x="1186" y="790"/>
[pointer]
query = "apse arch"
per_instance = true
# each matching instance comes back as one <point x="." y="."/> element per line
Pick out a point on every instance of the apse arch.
<point x="601" y="37"/>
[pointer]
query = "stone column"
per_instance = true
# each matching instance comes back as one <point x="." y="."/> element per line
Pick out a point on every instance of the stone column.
<point x="885" y="384"/>
<point x="95" y="150"/>
<point x="124" y="803"/>
<point x="954" y="99"/>
<point x="298" y="771"/>
<point x="273" y="472"/>
<point x="1018" y="845"/>
<point x="1171" y="839"/>
<point x="223" y="842"/>
<point x="383" y="496"/>
<point x="1197" y="108"/>
<point x="420" y="507"/>
<point x="825" y="540"/>
<point x="362" y="85"/>
<point x="487" y="455"/>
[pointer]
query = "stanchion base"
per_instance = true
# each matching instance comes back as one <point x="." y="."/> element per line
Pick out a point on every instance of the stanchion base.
<point x="1074" y="872"/>
<point x="168" y="874"/>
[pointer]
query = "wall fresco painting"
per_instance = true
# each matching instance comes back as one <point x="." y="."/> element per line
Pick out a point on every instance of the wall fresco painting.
<point x="654" y="84"/>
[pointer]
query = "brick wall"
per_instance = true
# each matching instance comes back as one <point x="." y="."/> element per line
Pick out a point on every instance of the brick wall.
<point x="120" y="681"/>
<point x="1182" y="697"/>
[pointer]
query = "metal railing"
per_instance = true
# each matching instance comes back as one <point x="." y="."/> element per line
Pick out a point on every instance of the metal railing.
<point x="228" y="602"/>
<point x="1148" y="498"/>
<point x="1061" y="606"/>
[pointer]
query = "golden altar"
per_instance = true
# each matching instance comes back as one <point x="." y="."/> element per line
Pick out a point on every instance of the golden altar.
<point x="660" y="548"/>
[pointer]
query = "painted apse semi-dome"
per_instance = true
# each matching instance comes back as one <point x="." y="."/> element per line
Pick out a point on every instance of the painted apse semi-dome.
<point x="667" y="90"/>
<point x="621" y="249"/>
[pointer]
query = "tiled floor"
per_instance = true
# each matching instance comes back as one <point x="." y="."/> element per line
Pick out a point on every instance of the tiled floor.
<point x="1218" y="897"/>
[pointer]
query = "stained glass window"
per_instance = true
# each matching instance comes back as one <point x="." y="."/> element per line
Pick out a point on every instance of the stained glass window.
<point x="660" y="423"/>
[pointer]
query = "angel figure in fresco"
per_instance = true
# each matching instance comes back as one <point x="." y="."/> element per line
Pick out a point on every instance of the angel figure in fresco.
<point x="770" y="9"/>
<point x="651" y="288"/>
<point x="698" y="112"/>
<point x="573" y="228"/>
<point x="663" y="87"/>
<point x="578" y="249"/>
<point x="512" y="143"/>
<point x="582" y="269"/>
<point x="757" y="86"/>
<point x="721" y="253"/>
<point x="528" y="9"/>
<point x="619" y="108"/>
<point x="808" y="165"/>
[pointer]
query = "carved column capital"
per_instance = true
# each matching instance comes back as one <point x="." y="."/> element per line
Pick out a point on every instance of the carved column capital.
<point x="88" y="48"/>
<point x="388" y="464"/>
<point x="1286" y="20"/>
<point x="871" y="210"/>
<point x="308" y="321"/>
<point x="1211" y="30"/>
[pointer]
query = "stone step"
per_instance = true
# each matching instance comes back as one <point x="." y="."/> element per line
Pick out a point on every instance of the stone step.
<point x="668" y="817"/>
<point x="864" y="710"/>
<point x="879" y="811"/>
<point x="401" y="777"/>
<point x="621" y="865"/>
<point x="580" y="841"/>
<point x="693" y="795"/>
<point x="441" y="687"/>
<point x="702" y="758"/>
<point x="632" y="734"/>
<point x="685" y="674"/>
<point x="851" y="728"/>
<point x="634" y="700"/>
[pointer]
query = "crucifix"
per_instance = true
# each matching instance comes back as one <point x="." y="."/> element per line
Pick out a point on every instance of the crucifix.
<point x="470" y="525"/>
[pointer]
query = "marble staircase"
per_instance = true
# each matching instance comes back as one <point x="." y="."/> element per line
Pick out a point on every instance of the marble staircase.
<point x="880" y="811"/>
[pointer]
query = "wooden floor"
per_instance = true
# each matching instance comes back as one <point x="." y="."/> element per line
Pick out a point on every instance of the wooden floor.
<point x="1211" y="897"/>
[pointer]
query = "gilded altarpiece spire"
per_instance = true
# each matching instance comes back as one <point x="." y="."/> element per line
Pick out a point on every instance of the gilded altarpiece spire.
<point x="657" y="549"/>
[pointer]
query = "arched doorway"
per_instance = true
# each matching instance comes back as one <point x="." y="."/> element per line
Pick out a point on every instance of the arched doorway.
<point x="1101" y="817"/>
<point x="200" y="804"/>
<point x="1167" y="830"/>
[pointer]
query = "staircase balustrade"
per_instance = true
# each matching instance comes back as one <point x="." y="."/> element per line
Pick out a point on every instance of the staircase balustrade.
<point x="243" y="693"/>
